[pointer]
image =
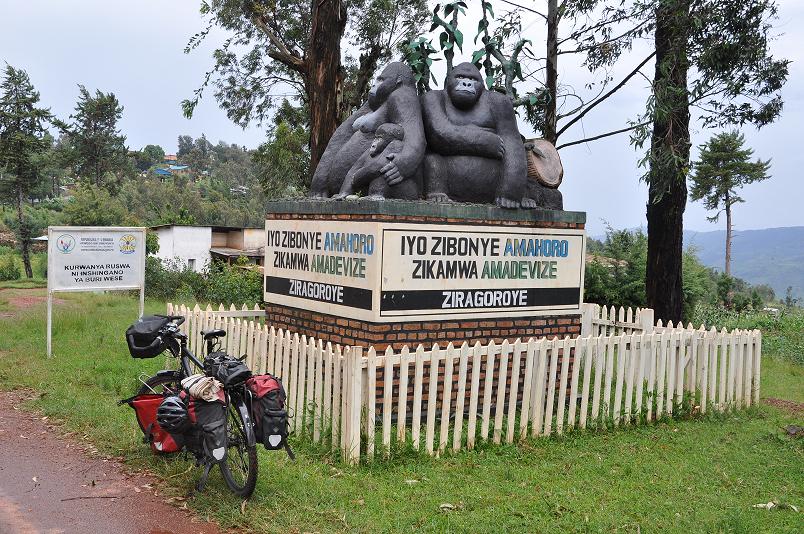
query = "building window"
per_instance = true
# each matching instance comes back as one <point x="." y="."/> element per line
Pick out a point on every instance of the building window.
<point x="191" y="264"/>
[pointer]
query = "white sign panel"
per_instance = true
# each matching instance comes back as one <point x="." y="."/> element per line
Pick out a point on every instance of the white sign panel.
<point x="90" y="258"/>
<point x="330" y="267"/>
<point x="439" y="271"/>
<point x="385" y="272"/>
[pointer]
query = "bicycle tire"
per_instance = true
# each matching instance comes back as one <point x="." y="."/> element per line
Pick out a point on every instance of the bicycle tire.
<point x="160" y="383"/>
<point x="245" y="463"/>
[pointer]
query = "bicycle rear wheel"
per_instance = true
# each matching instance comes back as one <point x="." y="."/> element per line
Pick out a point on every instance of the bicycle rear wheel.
<point x="161" y="384"/>
<point x="240" y="468"/>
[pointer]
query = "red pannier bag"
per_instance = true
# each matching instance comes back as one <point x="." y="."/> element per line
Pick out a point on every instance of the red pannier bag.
<point x="145" y="407"/>
<point x="268" y="411"/>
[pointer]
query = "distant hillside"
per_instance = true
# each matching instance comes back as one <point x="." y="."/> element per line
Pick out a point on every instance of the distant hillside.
<point x="773" y="256"/>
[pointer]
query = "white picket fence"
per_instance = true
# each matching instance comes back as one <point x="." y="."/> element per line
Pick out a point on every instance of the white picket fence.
<point x="445" y="398"/>
<point x="597" y="320"/>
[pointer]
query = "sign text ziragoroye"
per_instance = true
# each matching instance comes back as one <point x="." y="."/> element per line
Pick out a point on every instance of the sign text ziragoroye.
<point x="389" y="271"/>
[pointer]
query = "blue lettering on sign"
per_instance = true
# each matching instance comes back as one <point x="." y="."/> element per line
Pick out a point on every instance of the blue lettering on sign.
<point x="547" y="248"/>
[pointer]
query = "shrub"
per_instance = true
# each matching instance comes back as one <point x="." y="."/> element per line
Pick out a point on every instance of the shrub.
<point x="9" y="270"/>
<point x="233" y="284"/>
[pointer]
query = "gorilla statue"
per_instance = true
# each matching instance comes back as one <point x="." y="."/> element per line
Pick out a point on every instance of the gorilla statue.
<point x="393" y="99"/>
<point x="474" y="150"/>
<point x="367" y="170"/>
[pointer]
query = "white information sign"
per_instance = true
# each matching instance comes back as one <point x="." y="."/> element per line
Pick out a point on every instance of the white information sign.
<point x="388" y="272"/>
<point x="87" y="258"/>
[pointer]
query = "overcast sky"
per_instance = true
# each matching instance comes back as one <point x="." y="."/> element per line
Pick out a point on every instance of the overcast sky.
<point x="135" y="49"/>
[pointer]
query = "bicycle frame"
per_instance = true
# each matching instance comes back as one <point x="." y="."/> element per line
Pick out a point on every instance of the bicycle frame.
<point x="237" y="396"/>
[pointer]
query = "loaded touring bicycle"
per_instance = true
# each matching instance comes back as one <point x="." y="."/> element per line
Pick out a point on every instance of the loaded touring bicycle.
<point x="214" y="409"/>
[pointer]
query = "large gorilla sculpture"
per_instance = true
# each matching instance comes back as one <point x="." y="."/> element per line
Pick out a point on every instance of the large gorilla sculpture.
<point x="474" y="150"/>
<point x="392" y="99"/>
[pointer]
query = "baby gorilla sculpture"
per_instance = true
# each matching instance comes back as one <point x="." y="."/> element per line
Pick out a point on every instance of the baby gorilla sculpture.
<point x="393" y="99"/>
<point x="367" y="170"/>
<point x="475" y="152"/>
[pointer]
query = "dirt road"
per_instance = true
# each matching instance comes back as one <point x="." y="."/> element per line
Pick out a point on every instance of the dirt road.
<point x="48" y="484"/>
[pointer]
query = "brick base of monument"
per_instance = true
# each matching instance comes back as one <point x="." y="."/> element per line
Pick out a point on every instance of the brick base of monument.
<point x="329" y="328"/>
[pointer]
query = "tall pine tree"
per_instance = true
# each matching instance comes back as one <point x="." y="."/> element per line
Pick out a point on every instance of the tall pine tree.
<point x="723" y="167"/>
<point x="22" y="140"/>
<point x="98" y="150"/>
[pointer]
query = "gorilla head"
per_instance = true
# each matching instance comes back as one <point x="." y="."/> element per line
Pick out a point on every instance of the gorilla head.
<point x="394" y="75"/>
<point x="464" y="85"/>
<point x="385" y="134"/>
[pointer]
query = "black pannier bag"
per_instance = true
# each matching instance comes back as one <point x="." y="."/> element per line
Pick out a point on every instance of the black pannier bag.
<point x="209" y="420"/>
<point x="269" y="413"/>
<point x="228" y="371"/>
<point x="143" y="337"/>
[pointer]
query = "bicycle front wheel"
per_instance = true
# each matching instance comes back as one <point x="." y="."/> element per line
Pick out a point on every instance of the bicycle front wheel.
<point x="240" y="468"/>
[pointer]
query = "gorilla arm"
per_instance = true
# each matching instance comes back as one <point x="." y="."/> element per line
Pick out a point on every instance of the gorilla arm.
<point x="515" y="171"/>
<point x="344" y="132"/>
<point x="448" y="139"/>
<point x="405" y="110"/>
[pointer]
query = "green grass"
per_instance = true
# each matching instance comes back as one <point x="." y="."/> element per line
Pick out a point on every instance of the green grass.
<point x="693" y="475"/>
<point x="24" y="283"/>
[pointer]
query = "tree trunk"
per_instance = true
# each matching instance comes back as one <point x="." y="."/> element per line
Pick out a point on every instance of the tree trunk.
<point x="23" y="235"/>
<point x="550" y="119"/>
<point x="728" y="237"/>
<point x="669" y="161"/>
<point x="322" y="82"/>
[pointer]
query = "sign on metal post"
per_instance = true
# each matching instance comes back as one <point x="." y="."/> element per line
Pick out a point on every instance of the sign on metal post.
<point x="94" y="258"/>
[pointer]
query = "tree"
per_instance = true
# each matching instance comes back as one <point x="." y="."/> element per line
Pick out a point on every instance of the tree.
<point x="295" y="45"/>
<point x="598" y="31"/>
<point x="92" y="205"/>
<point x="723" y="167"/>
<point x="736" y="81"/>
<point x="283" y="162"/>
<point x="98" y="148"/>
<point x="149" y="156"/>
<point x="185" y="145"/>
<point x="22" y="140"/>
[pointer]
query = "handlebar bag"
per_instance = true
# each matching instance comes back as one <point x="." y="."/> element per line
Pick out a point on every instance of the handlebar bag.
<point x="210" y="419"/>
<point x="268" y="411"/>
<point x="160" y="440"/>
<point x="143" y="337"/>
<point x="228" y="371"/>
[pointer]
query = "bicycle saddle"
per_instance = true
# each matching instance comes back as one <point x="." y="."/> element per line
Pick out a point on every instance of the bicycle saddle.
<point x="212" y="334"/>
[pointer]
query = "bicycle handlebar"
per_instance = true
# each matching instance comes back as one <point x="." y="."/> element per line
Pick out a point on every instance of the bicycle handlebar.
<point x="178" y="319"/>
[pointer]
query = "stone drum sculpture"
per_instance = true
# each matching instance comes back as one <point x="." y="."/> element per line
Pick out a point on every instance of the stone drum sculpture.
<point x="393" y="99"/>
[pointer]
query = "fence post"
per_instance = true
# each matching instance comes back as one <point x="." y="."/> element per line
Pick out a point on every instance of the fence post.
<point x="646" y="320"/>
<point x="354" y="390"/>
<point x="588" y="313"/>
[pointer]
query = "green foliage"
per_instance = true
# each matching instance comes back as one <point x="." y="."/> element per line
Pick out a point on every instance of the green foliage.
<point x="8" y="268"/>
<point x="782" y="331"/>
<point x="615" y="275"/>
<point x="283" y="162"/>
<point x="96" y="147"/>
<point x="172" y="280"/>
<point x="93" y="205"/>
<point x="722" y="168"/>
<point x="148" y="157"/>
<point x="233" y="284"/>
<point x="22" y="139"/>
<point x="251" y="63"/>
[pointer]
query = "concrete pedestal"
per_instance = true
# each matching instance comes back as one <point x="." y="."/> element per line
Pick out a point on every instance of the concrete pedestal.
<point x="394" y="273"/>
